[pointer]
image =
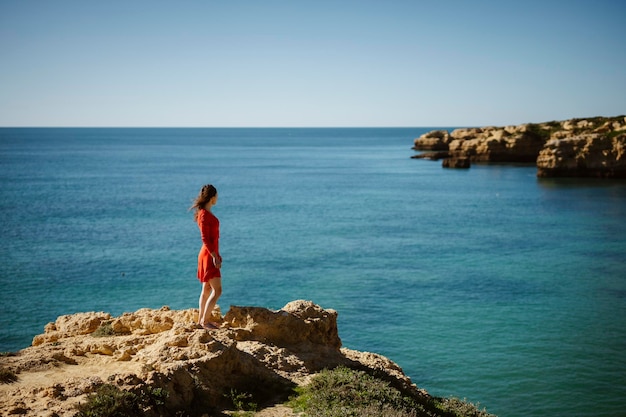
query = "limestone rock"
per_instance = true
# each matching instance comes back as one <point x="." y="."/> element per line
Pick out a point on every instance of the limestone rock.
<point x="498" y="144"/>
<point x="590" y="155"/>
<point x="256" y="350"/>
<point x="433" y="156"/>
<point x="556" y="147"/>
<point x="436" y="140"/>
<point x="486" y="144"/>
<point x="456" y="162"/>
<point x="309" y="324"/>
<point x="79" y="323"/>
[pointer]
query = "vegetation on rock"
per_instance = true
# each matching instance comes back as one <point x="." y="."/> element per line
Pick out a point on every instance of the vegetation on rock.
<point x="7" y="376"/>
<point x="111" y="401"/>
<point x="344" y="392"/>
<point x="160" y="363"/>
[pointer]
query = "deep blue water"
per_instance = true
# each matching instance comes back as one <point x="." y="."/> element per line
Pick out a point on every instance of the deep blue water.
<point x="487" y="284"/>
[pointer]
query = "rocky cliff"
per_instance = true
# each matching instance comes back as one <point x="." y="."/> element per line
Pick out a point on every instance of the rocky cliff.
<point x="259" y="351"/>
<point x="575" y="147"/>
<point x="586" y="155"/>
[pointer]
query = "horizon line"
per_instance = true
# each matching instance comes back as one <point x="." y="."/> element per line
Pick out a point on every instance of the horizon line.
<point x="303" y="127"/>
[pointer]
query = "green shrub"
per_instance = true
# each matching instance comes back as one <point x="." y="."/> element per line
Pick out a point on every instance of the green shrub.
<point x="242" y="401"/>
<point x="111" y="401"/>
<point x="7" y="376"/>
<point x="615" y="134"/>
<point x="343" y="392"/>
<point x="538" y="131"/>
<point x="106" y="329"/>
<point x="458" y="408"/>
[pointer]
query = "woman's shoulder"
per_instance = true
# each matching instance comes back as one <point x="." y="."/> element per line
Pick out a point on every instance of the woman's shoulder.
<point x="204" y="214"/>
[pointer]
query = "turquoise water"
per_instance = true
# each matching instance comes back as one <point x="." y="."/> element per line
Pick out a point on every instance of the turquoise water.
<point x="487" y="284"/>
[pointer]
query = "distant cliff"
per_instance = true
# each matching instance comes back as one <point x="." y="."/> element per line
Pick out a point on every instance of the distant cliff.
<point x="592" y="147"/>
<point x="176" y="368"/>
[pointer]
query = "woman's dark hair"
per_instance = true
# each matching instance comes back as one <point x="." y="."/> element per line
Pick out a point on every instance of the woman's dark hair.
<point x="207" y="192"/>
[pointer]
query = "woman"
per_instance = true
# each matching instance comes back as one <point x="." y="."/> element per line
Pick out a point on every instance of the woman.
<point x="209" y="258"/>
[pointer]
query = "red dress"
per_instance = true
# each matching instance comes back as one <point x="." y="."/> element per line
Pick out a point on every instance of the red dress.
<point x="209" y="227"/>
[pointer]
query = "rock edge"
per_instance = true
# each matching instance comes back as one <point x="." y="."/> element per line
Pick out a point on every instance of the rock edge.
<point x="255" y="350"/>
<point x="591" y="147"/>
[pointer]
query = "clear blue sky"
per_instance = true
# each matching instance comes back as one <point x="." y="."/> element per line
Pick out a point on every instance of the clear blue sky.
<point x="309" y="63"/>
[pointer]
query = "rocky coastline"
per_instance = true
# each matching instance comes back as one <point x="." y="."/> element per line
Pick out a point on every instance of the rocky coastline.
<point x="190" y="370"/>
<point x="590" y="147"/>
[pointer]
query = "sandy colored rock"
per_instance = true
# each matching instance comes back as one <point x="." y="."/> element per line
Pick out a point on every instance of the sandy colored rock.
<point x="590" y="155"/>
<point x="256" y="350"/>
<point x="575" y="147"/>
<point x="493" y="144"/>
<point x="435" y="140"/>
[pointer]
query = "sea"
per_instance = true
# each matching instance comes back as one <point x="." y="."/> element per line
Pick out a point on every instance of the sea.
<point x="487" y="284"/>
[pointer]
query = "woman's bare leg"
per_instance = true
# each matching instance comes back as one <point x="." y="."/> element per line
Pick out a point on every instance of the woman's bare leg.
<point x="211" y="292"/>
<point x="204" y="296"/>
